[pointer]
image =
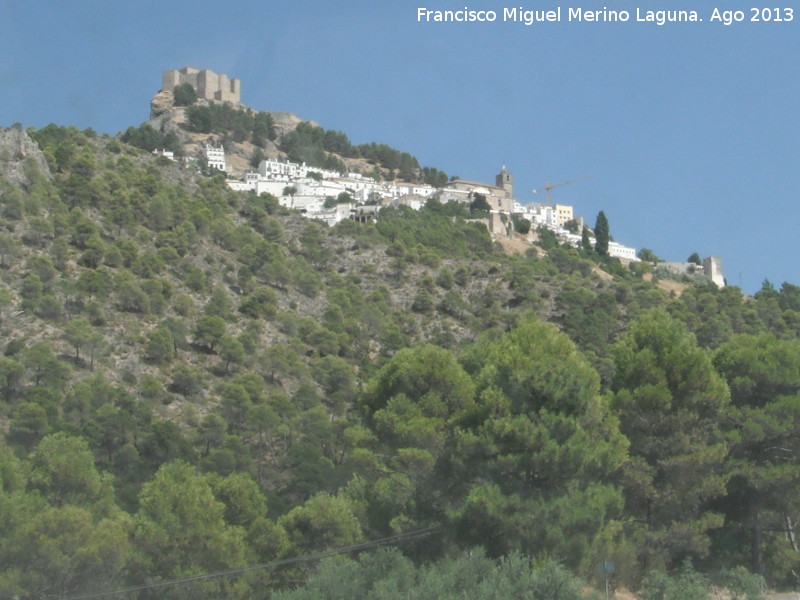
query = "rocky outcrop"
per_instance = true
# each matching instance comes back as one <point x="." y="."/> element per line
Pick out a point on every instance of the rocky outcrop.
<point x="161" y="103"/>
<point x="286" y="122"/>
<point x="19" y="154"/>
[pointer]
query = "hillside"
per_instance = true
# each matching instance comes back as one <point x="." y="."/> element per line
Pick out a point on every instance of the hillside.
<point x="167" y="117"/>
<point x="249" y="136"/>
<point x="195" y="380"/>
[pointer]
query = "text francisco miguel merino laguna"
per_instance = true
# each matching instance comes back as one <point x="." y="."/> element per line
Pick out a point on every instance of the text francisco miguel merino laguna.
<point x="529" y="17"/>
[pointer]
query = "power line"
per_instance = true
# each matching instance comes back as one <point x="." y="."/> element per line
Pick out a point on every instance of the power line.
<point x="278" y="563"/>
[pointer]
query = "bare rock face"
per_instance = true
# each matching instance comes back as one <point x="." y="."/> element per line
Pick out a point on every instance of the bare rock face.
<point x="161" y="103"/>
<point x="286" y="122"/>
<point x="18" y="155"/>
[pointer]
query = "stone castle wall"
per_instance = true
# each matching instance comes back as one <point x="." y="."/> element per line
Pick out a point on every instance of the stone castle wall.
<point x="206" y="83"/>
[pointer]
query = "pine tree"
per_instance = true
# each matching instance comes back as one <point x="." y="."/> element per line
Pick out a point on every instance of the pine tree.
<point x="670" y="402"/>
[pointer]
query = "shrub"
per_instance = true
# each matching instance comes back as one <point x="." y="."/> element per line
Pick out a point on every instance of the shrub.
<point x="687" y="585"/>
<point x="742" y="584"/>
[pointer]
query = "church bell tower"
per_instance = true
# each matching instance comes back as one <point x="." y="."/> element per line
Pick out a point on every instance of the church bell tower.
<point x="505" y="180"/>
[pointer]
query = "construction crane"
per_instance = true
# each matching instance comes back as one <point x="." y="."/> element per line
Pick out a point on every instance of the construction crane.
<point x="547" y="187"/>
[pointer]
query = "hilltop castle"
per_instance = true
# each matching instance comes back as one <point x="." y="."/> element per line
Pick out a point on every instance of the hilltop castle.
<point x="206" y="83"/>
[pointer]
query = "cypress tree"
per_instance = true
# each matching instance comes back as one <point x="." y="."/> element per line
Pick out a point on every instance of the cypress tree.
<point x="601" y="234"/>
<point x="586" y="243"/>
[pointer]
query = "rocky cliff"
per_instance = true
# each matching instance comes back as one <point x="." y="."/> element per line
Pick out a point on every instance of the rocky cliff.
<point x="19" y="154"/>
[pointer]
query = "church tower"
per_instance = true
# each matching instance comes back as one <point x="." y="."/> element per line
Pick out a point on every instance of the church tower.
<point x="505" y="180"/>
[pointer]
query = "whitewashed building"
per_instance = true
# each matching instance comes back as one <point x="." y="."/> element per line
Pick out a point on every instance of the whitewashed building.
<point x="287" y="171"/>
<point x="215" y="157"/>
<point x="615" y="250"/>
<point x="165" y="153"/>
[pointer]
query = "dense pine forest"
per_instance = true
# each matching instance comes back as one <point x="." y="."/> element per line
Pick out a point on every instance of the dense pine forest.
<point x="195" y="382"/>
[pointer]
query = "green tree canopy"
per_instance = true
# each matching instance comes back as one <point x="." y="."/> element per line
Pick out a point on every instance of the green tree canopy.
<point x="427" y="375"/>
<point x="537" y="368"/>
<point x="323" y="521"/>
<point x="763" y="373"/>
<point x="532" y="463"/>
<point x="670" y="402"/>
<point x="63" y="471"/>
<point x="184" y="94"/>
<point x="180" y="526"/>
<point x="479" y="204"/>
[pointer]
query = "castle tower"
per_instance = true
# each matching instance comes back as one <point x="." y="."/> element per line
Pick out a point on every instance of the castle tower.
<point x="712" y="267"/>
<point x="505" y="180"/>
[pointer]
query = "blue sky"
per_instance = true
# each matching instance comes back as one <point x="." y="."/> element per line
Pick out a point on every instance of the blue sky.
<point x="690" y="131"/>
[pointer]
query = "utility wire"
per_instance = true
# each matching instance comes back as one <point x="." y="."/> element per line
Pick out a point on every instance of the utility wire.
<point x="278" y="563"/>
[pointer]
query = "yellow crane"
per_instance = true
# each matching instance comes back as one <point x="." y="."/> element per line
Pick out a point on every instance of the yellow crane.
<point x="547" y="187"/>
